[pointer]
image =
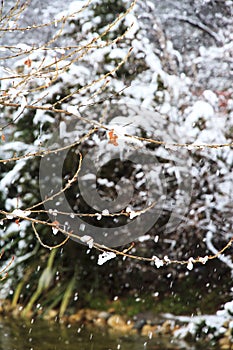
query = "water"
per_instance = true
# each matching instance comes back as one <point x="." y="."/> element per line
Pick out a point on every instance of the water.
<point x="16" y="334"/>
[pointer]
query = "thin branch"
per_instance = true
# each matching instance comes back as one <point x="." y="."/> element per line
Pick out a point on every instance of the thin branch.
<point x="45" y="245"/>
<point x="197" y="24"/>
<point x="6" y="267"/>
<point x="68" y="185"/>
<point x="163" y="261"/>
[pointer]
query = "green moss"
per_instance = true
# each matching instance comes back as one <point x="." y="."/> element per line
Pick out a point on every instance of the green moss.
<point x="99" y="302"/>
<point x="186" y="297"/>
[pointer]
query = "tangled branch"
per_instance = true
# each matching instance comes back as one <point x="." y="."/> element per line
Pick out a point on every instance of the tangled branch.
<point x="4" y="271"/>
<point x="36" y="77"/>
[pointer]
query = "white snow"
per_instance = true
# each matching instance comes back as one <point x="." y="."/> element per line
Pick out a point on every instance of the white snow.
<point x="12" y="176"/>
<point x="21" y="213"/>
<point x="105" y="212"/>
<point x="190" y="264"/>
<point x="158" y="262"/>
<point x="105" y="256"/>
<point x="88" y="240"/>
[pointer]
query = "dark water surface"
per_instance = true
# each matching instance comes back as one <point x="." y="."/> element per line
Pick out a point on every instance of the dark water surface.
<point x="16" y="334"/>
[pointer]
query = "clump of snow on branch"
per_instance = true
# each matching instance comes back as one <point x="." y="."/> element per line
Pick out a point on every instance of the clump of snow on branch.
<point x="105" y="256"/>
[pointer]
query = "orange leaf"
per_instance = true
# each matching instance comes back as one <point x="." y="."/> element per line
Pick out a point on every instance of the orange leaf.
<point x="17" y="222"/>
<point x="28" y="62"/>
<point x="112" y="138"/>
<point x="3" y="138"/>
<point x="56" y="223"/>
